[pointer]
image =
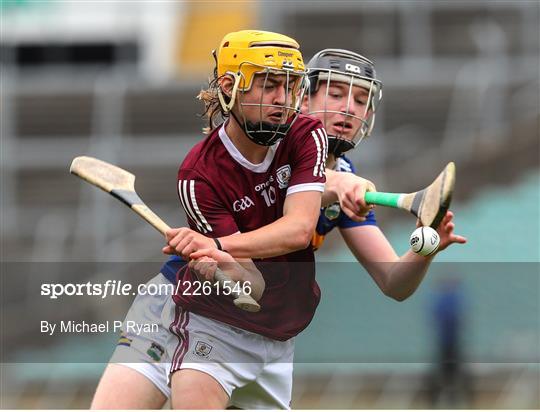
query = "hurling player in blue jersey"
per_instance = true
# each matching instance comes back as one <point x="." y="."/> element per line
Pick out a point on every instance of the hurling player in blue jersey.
<point x="345" y="94"/>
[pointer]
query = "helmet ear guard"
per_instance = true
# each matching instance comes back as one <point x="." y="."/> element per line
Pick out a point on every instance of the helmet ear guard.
<point x="344" y="66"/>
<point x="227" y="106"/>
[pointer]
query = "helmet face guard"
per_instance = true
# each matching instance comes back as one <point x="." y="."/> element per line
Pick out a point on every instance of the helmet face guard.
<point x="352" y="70"/>
<point x="290" y="85"/>
<point x="248" y="56"/>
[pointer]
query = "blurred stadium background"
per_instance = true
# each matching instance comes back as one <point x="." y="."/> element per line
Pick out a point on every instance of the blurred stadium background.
<point x="117" y="80"/>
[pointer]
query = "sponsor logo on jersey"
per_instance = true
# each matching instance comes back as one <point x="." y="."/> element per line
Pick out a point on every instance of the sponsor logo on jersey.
<point x="242" y="204"/>
<point x="264" y="185"/>
<point x="283" y="175"/>
<point x="202" y="349"/>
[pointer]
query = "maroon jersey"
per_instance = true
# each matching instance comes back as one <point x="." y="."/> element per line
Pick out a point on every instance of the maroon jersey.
<point x="223" y="193"/>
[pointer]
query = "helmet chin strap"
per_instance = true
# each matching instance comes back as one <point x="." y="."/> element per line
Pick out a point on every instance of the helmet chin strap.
<point x="338" y="146"/>
<point x="263" y="133"/>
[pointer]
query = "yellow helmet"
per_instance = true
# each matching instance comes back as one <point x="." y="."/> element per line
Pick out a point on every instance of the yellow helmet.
<point x="245" y="52"/>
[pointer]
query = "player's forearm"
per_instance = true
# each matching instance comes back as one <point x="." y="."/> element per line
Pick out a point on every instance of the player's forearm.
<point x="254" y="278"/>
<point x="330" y="188"/>
<point x="286" y="235"/>
<point x="404" y="276"/>
<point x="397" y="277"/>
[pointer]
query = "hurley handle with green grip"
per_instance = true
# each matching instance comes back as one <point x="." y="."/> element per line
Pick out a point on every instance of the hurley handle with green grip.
<point x="429" y="205"/>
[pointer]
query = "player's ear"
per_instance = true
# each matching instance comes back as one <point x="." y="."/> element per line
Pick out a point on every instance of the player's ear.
<point x="226" y="83"/>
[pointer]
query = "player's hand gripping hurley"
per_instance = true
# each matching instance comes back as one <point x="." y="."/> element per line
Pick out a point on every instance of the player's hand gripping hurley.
<point x="121" y="184"/>
<point x="429" y="205"/>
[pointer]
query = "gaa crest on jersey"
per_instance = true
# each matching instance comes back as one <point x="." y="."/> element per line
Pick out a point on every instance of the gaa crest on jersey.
<point x="332" y="212"/>
<point x="242" y="204"/>
<point x="202" y="349"/>
<point x="155" y="351"/>
<point x="283" y="175"/>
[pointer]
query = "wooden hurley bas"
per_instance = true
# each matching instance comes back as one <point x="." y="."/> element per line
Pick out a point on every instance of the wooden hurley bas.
<point x="121" y="184"/>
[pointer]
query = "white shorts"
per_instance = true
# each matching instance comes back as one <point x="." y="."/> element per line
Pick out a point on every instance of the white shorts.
<point x="255" y="371"/>
<point x="145" y="351"/>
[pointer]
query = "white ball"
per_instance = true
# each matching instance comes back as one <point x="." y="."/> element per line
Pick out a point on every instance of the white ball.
<point x="424" y="241"/>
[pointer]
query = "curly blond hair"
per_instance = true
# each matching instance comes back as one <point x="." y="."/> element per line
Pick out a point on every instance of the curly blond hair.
<point x="213" y="111"/>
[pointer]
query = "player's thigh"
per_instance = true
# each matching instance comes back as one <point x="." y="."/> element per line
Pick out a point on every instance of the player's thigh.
<point x="121" y="387"/>
<point x="194" y="389"/>
<point x="273" y="387"/>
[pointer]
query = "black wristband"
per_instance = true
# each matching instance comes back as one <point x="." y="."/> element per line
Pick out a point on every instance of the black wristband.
<point x="218" y="244"/>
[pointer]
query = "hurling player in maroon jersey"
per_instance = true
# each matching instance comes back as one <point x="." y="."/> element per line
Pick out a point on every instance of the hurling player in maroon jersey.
<point x="345" y="94"/>
<point x="252" y="187"/>
<point x="134" y="378"/>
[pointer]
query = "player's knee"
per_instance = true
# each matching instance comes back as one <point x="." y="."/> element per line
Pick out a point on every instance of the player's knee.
<point x="121" y="387"/>
<point x="193" y="389"/>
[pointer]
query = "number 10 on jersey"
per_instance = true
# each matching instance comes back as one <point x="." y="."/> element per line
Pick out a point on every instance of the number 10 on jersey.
<point x="269" y="195"/>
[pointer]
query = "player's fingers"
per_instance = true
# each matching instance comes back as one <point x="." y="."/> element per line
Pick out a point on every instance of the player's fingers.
<point x="347" y="199"/>
<point x="178" y="232"/>
<point x="171" y="233"/>
<point x="188" y="249"/>
<point x="359" y="199"/>
<point x="202" y="252"/>
<point x="168" y="250"/>
<point x="210" y="270"/>
<point x="197" y="267"/>
<point x="346" y="204"/>
<point x="205" y="267"/>
<point x="352" y="214"/>
<point x="180" y="243"/>
<point x="447" y="217"/>
<point x="355" y="203"/>
<point x="459" y="239"/>
<point x="449" y="228"/>
<point x="180" y="236"/>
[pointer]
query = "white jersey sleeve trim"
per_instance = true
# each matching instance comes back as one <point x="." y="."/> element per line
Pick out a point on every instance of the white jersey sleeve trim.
<point x="184" y="200"/>
<point x="320" y="160"/>
<point x="306" y="187"/>
<point x="321" y="142"/>
<point x="324" y="140"/>
<point x="196" y="207"/>
<point x="186" y="190"/>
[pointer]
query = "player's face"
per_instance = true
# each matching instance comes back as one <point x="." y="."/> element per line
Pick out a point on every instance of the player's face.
<point x="340" y="113"/>
<point x="271" y="99"/>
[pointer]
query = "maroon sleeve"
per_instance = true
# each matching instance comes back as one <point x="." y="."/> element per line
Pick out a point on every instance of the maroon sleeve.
<point x="309" y="159"/>
<point x="205" y="213"/>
